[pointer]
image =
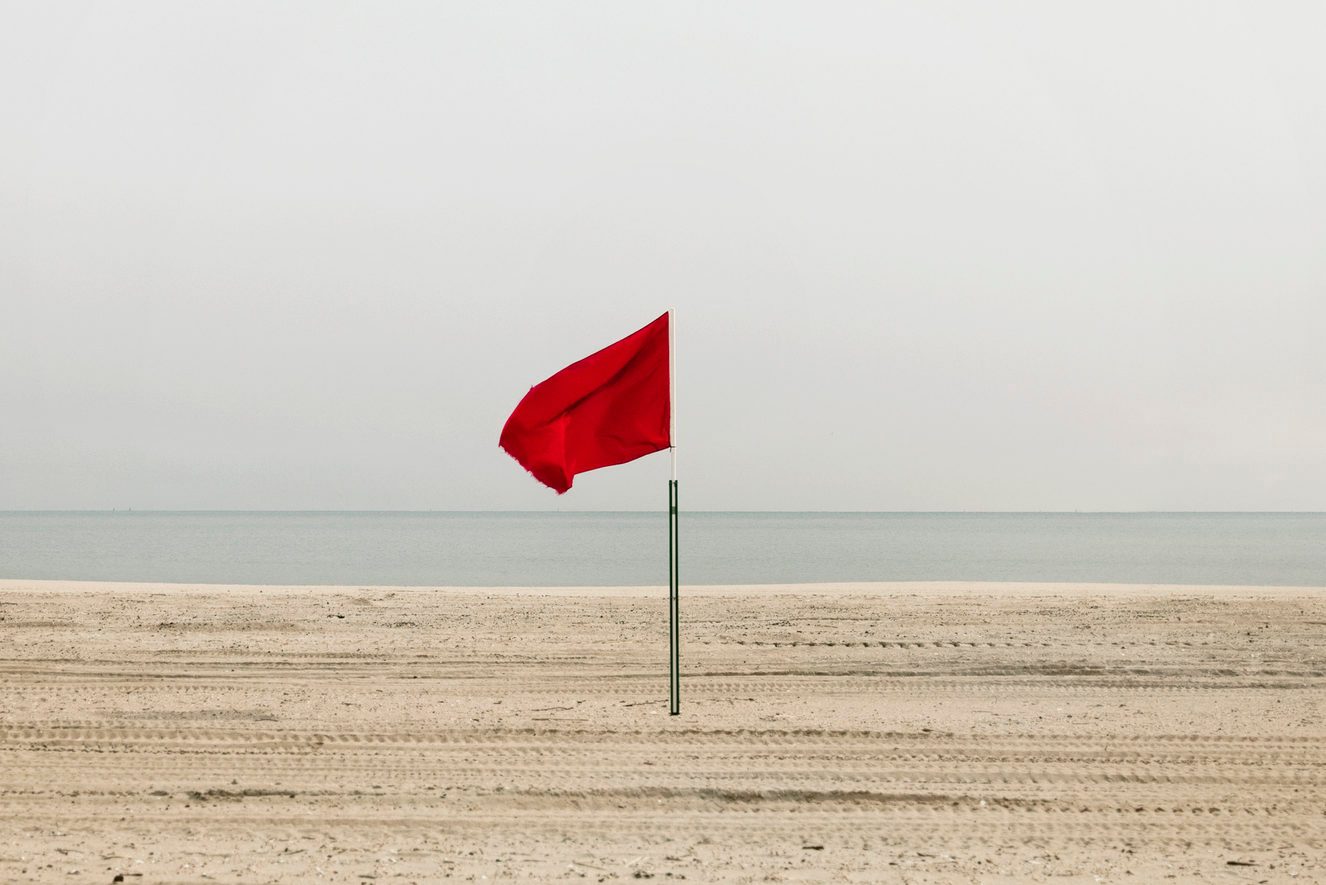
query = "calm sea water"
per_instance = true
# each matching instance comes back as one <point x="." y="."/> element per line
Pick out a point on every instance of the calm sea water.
<point x="549" y="549"/>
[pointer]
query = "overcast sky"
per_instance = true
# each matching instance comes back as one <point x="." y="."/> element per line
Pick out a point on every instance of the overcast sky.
<point x="924" y="255"/>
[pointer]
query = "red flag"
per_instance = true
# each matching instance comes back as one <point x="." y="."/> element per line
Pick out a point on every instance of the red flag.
<point x="609" y="408"/>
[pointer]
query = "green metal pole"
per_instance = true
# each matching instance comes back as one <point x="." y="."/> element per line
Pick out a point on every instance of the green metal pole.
<point x="674" y="605"/>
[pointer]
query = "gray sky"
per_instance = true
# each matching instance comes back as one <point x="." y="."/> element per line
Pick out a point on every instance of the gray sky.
<point x="1035" y="255"/>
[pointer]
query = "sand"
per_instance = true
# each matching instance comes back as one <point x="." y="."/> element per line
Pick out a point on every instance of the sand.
<point x="871" y="732"/>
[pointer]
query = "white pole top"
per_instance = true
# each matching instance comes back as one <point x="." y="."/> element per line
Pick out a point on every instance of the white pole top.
<point x="672" y="389"/>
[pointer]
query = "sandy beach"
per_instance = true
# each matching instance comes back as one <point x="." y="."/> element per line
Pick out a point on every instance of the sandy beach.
<point x="865" y="732"/>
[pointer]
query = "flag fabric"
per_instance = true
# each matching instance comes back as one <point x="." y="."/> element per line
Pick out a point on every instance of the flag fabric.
<point x="609" y="408"/>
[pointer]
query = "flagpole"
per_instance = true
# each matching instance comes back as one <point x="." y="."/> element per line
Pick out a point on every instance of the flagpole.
<point x="674" y="562"/>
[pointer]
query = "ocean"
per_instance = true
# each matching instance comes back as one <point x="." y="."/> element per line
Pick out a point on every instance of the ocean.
<point x="568" y="549"/>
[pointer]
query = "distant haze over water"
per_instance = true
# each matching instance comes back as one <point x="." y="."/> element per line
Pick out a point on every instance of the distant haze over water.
<point x="562" y="549"/>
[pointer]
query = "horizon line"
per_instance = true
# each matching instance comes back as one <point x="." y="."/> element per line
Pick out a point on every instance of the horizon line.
<point x="346" y="511"/>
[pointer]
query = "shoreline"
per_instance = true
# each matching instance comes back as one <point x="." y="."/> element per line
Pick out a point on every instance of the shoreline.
<point x="827" y="588"/>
